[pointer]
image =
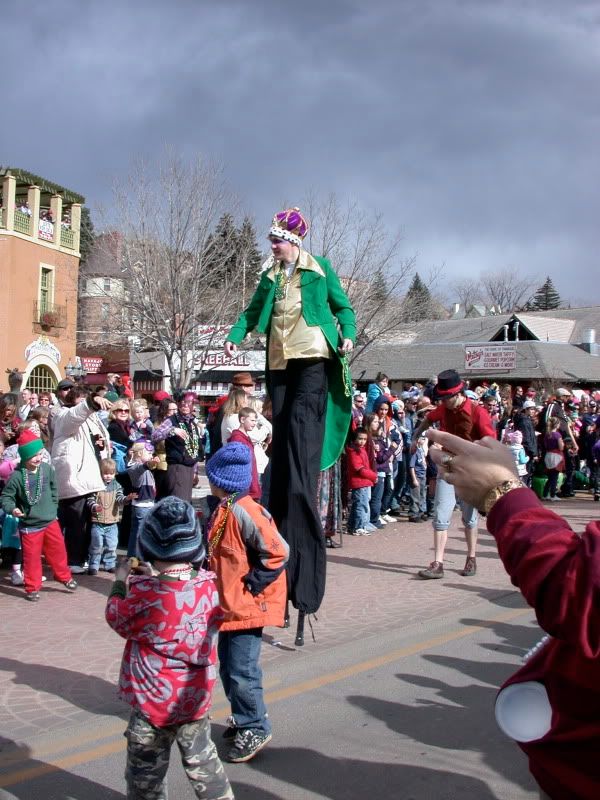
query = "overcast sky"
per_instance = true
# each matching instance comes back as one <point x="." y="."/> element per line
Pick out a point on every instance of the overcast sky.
<point x="474" y="126"/>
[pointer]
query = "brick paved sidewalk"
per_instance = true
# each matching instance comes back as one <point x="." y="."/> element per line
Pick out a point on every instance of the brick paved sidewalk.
<point x="59" y="660"/>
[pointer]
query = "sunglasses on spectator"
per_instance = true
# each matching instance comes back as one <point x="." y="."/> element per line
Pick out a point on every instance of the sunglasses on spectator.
<point x="122" y="409"/>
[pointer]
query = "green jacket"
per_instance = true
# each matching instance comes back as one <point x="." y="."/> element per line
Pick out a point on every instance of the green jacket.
<point x="41" y="513"/>
<point x="324" y="303"/>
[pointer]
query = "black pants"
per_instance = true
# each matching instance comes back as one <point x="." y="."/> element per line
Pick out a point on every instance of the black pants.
<point x="299" y="396"/>
<point x="179" y="482"/>
<point x="74" y="518"/>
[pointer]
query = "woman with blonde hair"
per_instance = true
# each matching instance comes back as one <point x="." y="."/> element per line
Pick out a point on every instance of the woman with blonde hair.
<point x="261" y="435"/>
<point x="237" y="400"/>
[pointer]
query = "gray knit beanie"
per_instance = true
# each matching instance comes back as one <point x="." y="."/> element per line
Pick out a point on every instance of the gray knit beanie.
<point x="171" y="532"/>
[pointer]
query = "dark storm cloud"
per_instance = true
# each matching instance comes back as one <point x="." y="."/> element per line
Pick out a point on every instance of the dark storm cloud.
<point x="472" y="125"/>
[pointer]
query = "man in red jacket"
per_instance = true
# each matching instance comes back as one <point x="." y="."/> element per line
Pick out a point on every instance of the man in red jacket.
<point x="558" y="573"/>
<point x="458" y="415"/>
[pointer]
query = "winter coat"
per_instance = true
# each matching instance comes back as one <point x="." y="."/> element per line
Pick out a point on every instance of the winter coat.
<point x="74" y="456"/>
<point x="360" y="473"/>
<point x="249" y="559"/>
<point x="558" y="573"/>
<point x="325" y="305"/>
<point x="168" y="669"/>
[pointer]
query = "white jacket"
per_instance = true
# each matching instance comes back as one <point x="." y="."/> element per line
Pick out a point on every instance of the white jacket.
<point x="73" y="455"/>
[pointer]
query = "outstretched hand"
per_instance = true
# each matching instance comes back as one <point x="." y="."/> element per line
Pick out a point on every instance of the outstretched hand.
<point x="476" y="467"/>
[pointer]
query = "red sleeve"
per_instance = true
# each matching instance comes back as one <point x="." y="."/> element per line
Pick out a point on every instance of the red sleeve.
<point x="557" y="571"/>
<point x="482" y="424"/>
<point x="437" y="415"/>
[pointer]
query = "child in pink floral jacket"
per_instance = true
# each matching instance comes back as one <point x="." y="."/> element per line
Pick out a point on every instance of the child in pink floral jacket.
<point x="170" y="617"/>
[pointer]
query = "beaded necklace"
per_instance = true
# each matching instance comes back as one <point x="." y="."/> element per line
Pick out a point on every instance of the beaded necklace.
<point x="282" y="281"/>
<point x="192" y="443"/>
<point x="182" y="572"/>
<point x="214" y="541"/>
<point x="32" y="499"/>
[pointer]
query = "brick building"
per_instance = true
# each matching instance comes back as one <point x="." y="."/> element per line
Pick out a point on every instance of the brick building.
<point x="39" y="263"/>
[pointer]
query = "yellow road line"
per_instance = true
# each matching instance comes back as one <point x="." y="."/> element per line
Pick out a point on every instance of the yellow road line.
<point x="221" y="713"/>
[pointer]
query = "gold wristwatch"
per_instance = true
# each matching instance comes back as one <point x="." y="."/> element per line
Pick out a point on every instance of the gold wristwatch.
<point x="497" y="492"/>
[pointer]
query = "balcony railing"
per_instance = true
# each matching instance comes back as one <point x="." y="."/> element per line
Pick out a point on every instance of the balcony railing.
<point x="22" y="222"/>
<point x="67" y="238"/>
<point x="49" y="316"/>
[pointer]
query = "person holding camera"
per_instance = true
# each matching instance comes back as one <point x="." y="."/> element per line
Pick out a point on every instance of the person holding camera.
<point x="551" y="706"/>
<point x="80" y="441"/>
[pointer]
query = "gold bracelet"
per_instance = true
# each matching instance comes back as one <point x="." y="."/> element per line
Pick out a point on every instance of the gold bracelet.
<point x="494" y="494"/>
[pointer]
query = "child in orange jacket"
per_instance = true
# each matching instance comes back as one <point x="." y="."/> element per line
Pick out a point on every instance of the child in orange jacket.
<point x="248" y="555"/>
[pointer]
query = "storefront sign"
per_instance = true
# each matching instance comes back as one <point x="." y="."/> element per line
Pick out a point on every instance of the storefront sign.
<point x="490" y="357"/>
<point x="216" y="359"/>
<point x="91" y="365"/>
<point x="43" y="347"/>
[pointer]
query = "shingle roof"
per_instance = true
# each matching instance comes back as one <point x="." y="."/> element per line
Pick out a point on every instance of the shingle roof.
<point x="535" y="361"/>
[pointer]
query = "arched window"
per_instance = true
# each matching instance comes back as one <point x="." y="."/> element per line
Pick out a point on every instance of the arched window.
<point x="41" y="379"/>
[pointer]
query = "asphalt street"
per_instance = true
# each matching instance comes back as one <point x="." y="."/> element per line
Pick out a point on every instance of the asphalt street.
<point x="393" y="699"/>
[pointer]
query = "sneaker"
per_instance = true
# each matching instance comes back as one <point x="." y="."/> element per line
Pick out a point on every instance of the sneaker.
<point x="33" y="597"/>
<point x="16" y="577"/>
<point x="415" y="519"/>
<point x="381" y="521"/>
<point x="79" y="569"/>
<point x="368" y="531"/>
<point x="92" y="571"/>
<point x="247" y="743"/>
<point x="470" y="567"/>
<point x="555" y="499"/>
<point x="357" y="532"/>
<point x="379" y="526"/>
<point x="387" y="518"/>
<point x="70" y="585"/>
<point x="425" y="516"/>
<point x="231" y="730"/>
<point x="369" y="527"/>
<point x="434" y="570"/>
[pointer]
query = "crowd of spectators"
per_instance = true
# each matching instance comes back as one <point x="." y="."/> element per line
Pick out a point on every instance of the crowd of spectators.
<point x="553" y="435"/>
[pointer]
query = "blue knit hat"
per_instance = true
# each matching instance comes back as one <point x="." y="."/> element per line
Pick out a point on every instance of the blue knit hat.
<point x="230" y="468"/>
<point x="171" y="532"/>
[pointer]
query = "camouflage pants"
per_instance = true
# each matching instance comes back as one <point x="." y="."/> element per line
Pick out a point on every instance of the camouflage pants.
<point x="148" y="751"/>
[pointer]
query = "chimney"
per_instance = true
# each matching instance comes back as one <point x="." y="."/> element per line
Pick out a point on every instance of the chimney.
<point x="505" y="332"/>
<point x="588" y="342"/>
<point x="516" y="330"/>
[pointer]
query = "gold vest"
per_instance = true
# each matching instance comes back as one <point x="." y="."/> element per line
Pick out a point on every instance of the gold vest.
<point x="290" y="336"/>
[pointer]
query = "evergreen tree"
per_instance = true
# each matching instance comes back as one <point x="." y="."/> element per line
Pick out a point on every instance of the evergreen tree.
<point x="221" y="252"/>
<point x="86" y="235"/>
<point x="378" y="290"/>
<point x="417" y="303"/>
<point x="249" y="256"/>
<point x="546" y="297"/>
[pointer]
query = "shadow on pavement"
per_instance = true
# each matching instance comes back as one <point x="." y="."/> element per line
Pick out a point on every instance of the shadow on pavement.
<point x="87" y="692"/>
<point x="459" y="717"/>
<point x="49" y="783"/>
<point x="365" y="563"/>
<point x="506" y="598"/>
<point x="352" y="779"/>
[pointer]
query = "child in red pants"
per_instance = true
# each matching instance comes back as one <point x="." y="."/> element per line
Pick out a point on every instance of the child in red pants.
<point x="31" y="495"/>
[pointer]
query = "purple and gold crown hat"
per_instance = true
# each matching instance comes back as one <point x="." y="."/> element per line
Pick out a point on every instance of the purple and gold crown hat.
<point x="289" y="225"/>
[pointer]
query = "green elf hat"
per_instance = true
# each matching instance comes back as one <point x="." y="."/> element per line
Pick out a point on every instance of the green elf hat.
<point x="29" y="444"/>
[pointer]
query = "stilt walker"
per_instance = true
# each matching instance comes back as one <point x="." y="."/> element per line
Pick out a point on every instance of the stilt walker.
<point x="310" y="325"/>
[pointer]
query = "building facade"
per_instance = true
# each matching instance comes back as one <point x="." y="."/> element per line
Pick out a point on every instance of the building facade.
<point x="39" y="263"/>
